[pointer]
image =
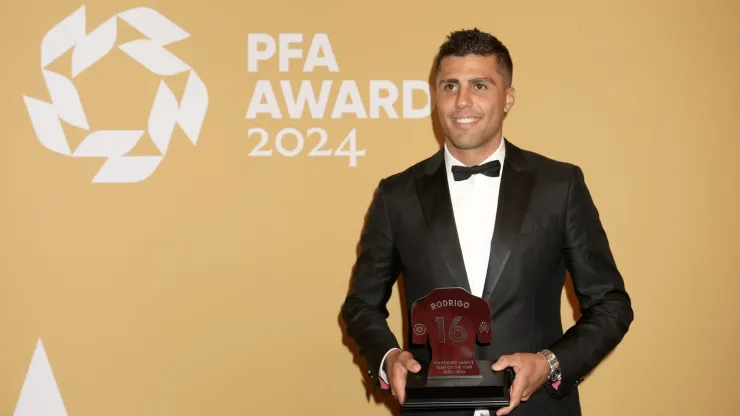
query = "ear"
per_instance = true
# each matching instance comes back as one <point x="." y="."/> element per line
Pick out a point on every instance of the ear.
<point x="510" y="99"/>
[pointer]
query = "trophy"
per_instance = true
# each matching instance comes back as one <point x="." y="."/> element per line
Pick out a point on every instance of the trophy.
<point x="450" y="320"/>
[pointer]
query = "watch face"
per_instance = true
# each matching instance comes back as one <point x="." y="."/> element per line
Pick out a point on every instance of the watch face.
<point x="556" y="376"/>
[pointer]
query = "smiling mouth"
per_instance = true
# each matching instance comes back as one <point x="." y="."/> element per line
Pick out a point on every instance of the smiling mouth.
<point x="466" y="120"/>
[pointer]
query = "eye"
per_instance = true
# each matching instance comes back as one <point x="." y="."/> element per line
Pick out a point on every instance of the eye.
<point x="449" y="87"/>
<point x="480" y="86"/>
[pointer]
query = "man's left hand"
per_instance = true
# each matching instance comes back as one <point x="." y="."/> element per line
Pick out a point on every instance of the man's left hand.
<point x="531" y="372"/>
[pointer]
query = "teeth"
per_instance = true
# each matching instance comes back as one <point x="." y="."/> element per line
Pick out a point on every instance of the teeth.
<point x="466" y="120"/>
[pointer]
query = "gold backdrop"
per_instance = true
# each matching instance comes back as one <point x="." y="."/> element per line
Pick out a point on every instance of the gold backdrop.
<point x="213" y="285"/>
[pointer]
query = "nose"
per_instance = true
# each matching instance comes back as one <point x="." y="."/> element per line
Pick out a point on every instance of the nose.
<point x="463" y="99"/>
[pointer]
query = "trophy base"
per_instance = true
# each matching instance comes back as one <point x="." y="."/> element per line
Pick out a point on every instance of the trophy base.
<point x="489" y="390"/>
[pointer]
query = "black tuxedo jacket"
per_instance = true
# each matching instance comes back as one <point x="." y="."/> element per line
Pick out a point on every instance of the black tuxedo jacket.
<point x="546" y="224"/>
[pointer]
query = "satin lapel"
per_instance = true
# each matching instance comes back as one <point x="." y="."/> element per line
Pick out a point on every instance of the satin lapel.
<point x="436" y="204"/>
<point x="516" y="188"/>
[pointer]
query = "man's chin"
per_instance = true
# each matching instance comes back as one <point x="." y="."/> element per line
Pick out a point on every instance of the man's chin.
<point x="465" y="143"/>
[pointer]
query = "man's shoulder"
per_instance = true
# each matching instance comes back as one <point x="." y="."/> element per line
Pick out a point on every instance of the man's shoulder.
<point x="406" y="176"/>
<point x="547" y="167"/>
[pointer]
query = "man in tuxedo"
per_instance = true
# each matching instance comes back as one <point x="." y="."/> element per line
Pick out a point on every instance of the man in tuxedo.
<point x="505" y="224"/>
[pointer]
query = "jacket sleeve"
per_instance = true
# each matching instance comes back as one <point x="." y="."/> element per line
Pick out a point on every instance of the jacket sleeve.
<point x="364" y="310"/>
<point x="606" y="311"/>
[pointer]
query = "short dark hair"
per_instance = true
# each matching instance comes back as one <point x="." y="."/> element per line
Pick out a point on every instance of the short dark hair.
<point x="475" y="42"/>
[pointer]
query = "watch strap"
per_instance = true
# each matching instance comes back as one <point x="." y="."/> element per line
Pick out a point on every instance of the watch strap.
<point x="555" y="372"/>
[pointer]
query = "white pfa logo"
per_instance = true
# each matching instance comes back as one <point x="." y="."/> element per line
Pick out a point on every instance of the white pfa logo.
<point x="66" y="105"/>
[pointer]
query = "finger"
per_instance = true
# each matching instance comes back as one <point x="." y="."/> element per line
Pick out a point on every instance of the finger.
<point x="505" y="410"/>
<point x="413" y="365"/>
<point x="503" y="362"/>
<point x="398" y="383"/>
<point x="408" y="362"/>
<point x="400" y="389"/>
<point x="517" y="388"/>
<point x="527" y="393"/>
<point x="398" y="377"/>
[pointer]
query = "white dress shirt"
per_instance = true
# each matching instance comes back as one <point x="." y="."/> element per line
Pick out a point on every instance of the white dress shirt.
<point x="474" y="203"/>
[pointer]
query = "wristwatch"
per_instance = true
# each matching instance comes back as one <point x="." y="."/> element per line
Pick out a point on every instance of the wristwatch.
<point x="555" y="373"/>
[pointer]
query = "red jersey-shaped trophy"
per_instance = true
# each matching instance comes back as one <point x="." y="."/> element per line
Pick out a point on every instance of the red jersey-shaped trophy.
<point x="450" y="321"/>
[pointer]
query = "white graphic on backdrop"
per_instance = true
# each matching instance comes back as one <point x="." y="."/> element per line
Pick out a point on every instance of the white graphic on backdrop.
<point x="66" y="104"/>
<point x="40" y="394"/>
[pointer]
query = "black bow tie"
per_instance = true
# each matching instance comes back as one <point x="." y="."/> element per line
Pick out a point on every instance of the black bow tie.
<point x="492" y="169"/>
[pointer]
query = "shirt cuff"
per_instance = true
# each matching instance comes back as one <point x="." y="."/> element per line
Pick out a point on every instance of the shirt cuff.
<point x="382" y="376"/>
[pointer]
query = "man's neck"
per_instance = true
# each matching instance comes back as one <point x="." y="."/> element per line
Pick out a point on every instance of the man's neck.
<point x="472" y="157"/>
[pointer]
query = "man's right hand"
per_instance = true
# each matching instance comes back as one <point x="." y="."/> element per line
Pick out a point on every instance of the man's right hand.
<point x="397" y="366"/>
